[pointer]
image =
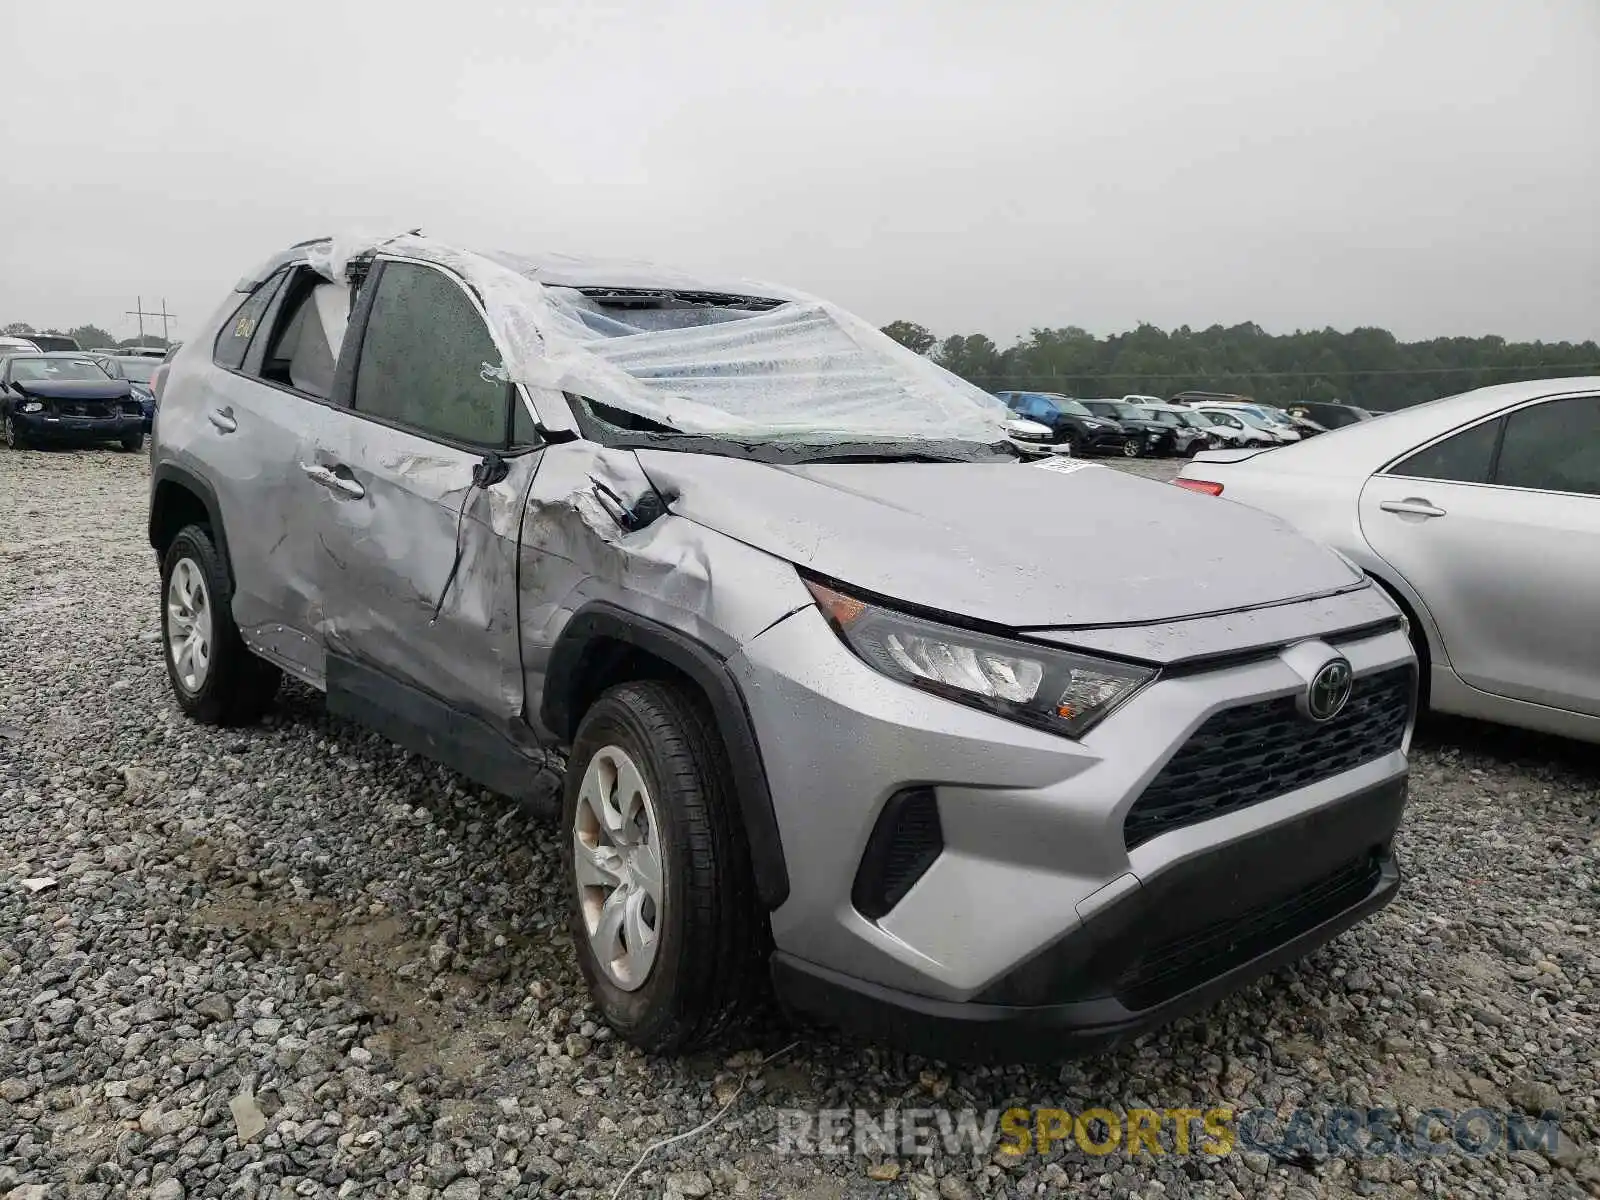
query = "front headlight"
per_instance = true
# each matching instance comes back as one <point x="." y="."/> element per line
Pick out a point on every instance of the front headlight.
<point x="30" y="406"/>
<point x="1057" y="690"/>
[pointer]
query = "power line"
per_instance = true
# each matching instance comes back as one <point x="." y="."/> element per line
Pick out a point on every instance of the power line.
<point x="138" y="311"/>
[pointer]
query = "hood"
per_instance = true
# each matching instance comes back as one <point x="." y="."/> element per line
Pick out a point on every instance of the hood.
<point x="73" y="389"/>
<point x="1015" y="546"/>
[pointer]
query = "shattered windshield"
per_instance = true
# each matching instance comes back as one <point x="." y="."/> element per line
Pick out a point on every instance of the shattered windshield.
<point x="755" y="370"/>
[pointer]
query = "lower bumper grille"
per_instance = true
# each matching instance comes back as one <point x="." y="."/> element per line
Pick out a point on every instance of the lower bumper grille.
<point x="1175" y="966"/>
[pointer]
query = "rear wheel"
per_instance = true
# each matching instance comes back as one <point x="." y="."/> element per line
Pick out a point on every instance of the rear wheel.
<point x="133" y="441"/>
<point x="213" y="674"/>
<point x="665" y="922"/>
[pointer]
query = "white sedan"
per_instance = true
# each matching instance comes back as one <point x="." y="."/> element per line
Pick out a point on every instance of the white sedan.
<point x="1480" y="513"/>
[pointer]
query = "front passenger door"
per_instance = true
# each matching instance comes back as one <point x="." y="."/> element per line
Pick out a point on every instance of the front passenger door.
<point x="418" y="565"/>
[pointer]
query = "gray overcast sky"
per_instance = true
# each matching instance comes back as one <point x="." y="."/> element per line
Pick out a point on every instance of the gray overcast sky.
<point x="1432" y="166"/>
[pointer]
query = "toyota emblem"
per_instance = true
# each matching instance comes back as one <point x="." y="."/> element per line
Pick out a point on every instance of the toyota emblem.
<point x="1329" y="690"/>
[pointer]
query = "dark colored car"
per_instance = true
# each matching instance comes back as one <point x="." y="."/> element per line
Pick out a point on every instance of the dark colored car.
<point x="139" y="370"/>
<point x="1152" y="437"/>
<point x="66" y="398"/>
<point x="1330" y="416"/>
<point x="1072" y="425"/>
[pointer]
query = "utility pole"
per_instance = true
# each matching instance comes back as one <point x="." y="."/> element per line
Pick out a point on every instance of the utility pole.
<point x="138" y="311"/>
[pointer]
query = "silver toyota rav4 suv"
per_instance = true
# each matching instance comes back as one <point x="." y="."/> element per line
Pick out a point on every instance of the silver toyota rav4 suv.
<point x="976" y="757"/>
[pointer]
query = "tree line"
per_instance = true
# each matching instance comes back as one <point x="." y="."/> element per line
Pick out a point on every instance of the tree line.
<point x="1365" y="366"/>
<point x="89" y="337"/>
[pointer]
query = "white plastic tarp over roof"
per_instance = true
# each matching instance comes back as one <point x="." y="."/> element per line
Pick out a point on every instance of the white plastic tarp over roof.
<point x="800" y="368"/>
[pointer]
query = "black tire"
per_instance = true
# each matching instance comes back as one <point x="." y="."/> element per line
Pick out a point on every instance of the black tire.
<point x="709" y="959"/>
<point x="238" y="687"/>
<point x="13" y="436"/>
<point x="1130" y="448"/>
<point x="133" y="441"/>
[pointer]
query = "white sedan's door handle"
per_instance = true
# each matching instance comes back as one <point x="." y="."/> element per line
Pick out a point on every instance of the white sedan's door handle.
<point x="222" y="418"/>
<point x="333" y="481"/>
<point x="1412" y="507"/>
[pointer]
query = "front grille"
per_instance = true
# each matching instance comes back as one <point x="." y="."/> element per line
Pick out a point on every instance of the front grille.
<point x="86" y="408"/>
<point x="1245" y="755"/>
<point x="1175" y="966"/>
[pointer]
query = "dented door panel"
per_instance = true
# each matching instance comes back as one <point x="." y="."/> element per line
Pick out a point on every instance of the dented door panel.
<point x="386" y="554"/>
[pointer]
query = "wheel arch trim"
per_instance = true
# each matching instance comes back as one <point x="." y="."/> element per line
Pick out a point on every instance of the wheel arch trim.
<point x="170" y="473"/>
<point x="600" y="621"/>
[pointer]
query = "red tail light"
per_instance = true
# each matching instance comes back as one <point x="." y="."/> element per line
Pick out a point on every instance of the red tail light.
<point x="1204" y="486"/>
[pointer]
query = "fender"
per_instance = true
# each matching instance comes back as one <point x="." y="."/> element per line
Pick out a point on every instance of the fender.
<point x="597" y="621"/>
<point x="170" y="473"/>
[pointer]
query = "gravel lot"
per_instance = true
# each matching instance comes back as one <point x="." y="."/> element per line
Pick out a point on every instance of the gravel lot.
<point x="374" y="952"/>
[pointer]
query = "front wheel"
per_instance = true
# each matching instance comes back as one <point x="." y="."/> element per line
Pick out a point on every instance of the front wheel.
<point x="14" y="438"/>
<point x="133" y="441"/>
<point x="668" y="933"/>
<point x="213" y="674"/>
<point x="1130" y="448"/>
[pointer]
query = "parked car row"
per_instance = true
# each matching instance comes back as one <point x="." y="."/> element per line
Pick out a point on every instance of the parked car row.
<point x="1138" y="426"/>
<point x="60" y="394"/>
<point x="68" y="396"/>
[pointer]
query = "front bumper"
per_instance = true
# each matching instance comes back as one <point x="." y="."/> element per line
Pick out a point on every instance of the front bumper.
<point x="1033" y="449"/>
<point x="1033" y="862"/>
<point x="1167" y="950"/>
<point x="52" y="427"/>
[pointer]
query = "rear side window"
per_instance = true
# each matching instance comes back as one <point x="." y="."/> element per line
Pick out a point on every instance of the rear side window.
<point x="423" y="358"/>
<point x="1467" y="457"/>
<point x="1553" y="447"/>
<point x="233" y="340"/>
<point x="307" y="334"/>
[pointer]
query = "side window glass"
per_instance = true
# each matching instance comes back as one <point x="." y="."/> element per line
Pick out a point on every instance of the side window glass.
<point x="1464" y="458"/>
<point x="523" y="432"/>
<point x="233" y="339"/>
<point x="423" y="357"/>
<point x="307" y="335"/>
<point x="1554" y="447"/>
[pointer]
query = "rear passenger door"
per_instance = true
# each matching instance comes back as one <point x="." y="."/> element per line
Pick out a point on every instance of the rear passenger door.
<point x="418" y="564"/>
<point x="260" y="415"/>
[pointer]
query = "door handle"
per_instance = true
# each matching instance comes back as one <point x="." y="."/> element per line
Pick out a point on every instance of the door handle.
<point x="1412" y="507"/>
<point x="333" y="481"/>
<point x="222" y="418"/>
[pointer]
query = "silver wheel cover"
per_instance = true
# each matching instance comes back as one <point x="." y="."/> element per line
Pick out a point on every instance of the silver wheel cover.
<point x="616" y="858"/>
<point x="189" y="625"/>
